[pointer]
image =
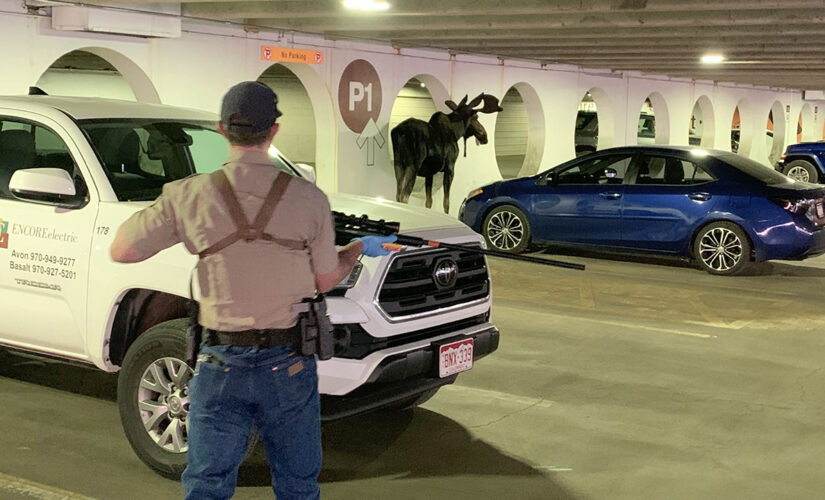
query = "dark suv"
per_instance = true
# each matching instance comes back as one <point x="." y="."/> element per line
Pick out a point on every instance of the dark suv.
<point x="804" y="161"/>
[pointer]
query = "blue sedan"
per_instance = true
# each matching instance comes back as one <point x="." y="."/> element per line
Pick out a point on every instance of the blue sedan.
<point x="717" y="208"/>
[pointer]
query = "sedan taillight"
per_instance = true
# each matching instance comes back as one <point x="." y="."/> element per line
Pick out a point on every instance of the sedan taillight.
<point x="813" y="209"/>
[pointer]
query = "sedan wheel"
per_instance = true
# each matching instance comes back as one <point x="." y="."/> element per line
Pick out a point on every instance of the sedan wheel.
<point x="722" y="248"/>
<point x="802" y="171"/>
<point x="506" y="229"/>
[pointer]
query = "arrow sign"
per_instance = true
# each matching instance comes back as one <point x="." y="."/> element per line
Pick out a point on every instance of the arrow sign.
<point x="371" y="131"/>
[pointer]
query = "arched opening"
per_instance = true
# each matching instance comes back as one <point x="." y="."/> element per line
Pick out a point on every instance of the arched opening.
<point x="587" y="126"/>
<point x="519" y="133"/>
<point x="735" y="130"/>
<point x="296" y="137"/>
<point x="805" y="130"/>
<point x="417" y="100"/>
<point x="604" y="113"/>
<point x="775" y="132"/>
<point x="97" y="72"/>
<point x="83" y="74"/>
<point x="312" y="87"/>
<point x="653" y="121"/>
<point x="702" y="128"/>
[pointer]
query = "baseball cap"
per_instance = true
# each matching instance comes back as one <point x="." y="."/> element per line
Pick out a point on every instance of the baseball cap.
<point x="249" y="107"/>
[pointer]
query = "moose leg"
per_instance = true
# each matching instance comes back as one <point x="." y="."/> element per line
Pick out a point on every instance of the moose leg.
<point x="428" y="184"/>
<point x="448" y="180"/>
<point x="399" y="183"/>
<point x="405" y="181"/>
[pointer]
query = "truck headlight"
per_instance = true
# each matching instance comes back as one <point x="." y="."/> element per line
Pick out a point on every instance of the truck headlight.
<point x="352" y="279"/>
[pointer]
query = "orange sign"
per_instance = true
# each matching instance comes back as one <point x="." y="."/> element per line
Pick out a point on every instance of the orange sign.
<point x="284" y="54"/>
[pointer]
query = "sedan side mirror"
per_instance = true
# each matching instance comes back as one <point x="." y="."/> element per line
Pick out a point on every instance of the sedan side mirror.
<point x="45" y="185"/>
<point x="551" y="178"/>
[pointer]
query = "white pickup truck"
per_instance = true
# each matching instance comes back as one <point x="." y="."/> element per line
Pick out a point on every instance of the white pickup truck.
<point x="72" y="169"/>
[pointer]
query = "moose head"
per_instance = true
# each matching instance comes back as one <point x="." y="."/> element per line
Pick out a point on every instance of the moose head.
<point x="465" y="116"/>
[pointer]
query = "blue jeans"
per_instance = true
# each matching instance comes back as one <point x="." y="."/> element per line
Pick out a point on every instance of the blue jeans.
<point x="235" y="388"/>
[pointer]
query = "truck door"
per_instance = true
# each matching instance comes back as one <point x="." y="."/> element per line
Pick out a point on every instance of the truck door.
<point x="44" y="248"/>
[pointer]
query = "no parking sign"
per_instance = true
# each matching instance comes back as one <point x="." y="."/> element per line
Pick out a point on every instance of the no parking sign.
<point x="359" y="99"/>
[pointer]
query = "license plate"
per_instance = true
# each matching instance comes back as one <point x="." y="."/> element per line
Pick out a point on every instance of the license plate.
<point x="455" y="357"/>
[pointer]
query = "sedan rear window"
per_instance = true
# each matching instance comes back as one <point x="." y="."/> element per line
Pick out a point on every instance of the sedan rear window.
<point x="762" y="173"/>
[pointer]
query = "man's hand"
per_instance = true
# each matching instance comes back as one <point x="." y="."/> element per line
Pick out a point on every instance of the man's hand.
<point x="374" y="245"/>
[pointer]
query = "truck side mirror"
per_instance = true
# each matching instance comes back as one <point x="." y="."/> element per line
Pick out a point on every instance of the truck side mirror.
<point x="46" y="185"/>
<point x="307" y="172"/>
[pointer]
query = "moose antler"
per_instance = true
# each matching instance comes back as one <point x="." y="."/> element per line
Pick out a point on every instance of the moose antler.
<point x="490" y="104"/>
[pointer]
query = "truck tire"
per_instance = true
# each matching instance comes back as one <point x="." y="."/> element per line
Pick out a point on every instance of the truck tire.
<point x="802" y="170"/>
<point x="153" y="399"/>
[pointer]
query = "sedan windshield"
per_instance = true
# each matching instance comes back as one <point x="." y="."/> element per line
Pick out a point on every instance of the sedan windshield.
<point x="139" y="156"/>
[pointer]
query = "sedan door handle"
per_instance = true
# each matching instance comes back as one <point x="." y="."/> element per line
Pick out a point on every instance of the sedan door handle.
<point x="699" y="196"/>
<point x="611" y="196"/>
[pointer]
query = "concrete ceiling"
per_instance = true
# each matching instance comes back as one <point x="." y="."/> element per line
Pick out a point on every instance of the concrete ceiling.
<point x="777" y="43"/>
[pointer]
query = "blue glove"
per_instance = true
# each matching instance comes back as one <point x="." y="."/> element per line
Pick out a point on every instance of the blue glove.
<point x="372" y="245"/>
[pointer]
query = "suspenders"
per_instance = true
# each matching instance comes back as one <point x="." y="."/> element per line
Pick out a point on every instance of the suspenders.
<point x="245" y="230"/>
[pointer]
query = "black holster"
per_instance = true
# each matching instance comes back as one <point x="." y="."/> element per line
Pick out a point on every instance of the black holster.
<point x="194" y="335"/>
<point x="318" y="336"/>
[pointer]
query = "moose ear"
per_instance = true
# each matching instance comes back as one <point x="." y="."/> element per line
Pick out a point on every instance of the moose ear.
<point x="450" y="104"/>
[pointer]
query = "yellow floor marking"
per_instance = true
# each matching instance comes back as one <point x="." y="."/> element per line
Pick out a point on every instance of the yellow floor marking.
<point x="587" y="298"/>
<point x="487" y="395"/>
<point x="37" y="491"/>
<point x="654" y="329"/>
<point x="621" y="324"/>
<point x="730" y="325"/>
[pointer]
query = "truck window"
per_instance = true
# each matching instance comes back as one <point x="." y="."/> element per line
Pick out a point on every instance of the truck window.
<point x="139" y="156"/>
<point x="25" y="144"/>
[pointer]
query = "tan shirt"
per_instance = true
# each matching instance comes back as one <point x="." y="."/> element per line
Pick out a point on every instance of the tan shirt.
<point x="247" y="285"/>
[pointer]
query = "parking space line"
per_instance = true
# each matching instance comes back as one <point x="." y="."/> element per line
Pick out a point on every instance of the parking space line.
<point x="653" y="328"/>
<point x="26" y="488"/>
<point x="631" y="326"/>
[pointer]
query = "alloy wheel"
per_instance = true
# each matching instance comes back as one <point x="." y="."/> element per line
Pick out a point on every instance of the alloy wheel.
<point x="163" y="400"/>
<point x="799" y="173"/>
<point x="720" y="249"/>
<point x="505" y="230"/>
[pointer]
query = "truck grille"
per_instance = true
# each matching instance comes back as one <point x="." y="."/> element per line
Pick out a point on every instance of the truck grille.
<point x="423" y="282"/>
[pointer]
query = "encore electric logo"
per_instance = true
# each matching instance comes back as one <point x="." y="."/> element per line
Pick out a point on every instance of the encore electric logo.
<point x="4" y="233"/>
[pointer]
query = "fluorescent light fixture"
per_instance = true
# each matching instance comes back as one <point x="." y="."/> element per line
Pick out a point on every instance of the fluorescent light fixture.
<point x="366" y="4"/>
<point x="422" y="85"/>
<point x="712" y="59"/>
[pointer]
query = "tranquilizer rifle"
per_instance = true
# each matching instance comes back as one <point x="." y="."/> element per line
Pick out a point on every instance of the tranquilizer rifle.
<point x="353" y="226"/>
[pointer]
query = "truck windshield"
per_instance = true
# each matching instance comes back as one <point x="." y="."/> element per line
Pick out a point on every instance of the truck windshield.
<point x="139" y="156"/>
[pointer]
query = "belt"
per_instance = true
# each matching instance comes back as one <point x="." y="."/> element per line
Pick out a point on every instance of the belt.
<point x="289" y="337"/>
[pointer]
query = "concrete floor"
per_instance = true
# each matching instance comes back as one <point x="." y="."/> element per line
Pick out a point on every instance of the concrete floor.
<point x="630" y="380"/>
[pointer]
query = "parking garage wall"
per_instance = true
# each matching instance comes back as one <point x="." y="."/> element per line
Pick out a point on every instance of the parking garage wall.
<point x="196" y="69"/>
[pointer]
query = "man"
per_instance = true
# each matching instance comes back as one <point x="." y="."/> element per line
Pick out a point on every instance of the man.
<point x="250" y="277"/>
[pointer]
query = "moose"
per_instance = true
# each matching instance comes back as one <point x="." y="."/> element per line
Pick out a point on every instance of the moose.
<point x="423" y="149"/>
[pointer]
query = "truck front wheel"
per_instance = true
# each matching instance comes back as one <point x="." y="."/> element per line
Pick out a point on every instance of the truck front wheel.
<point x="153" y="399"/>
